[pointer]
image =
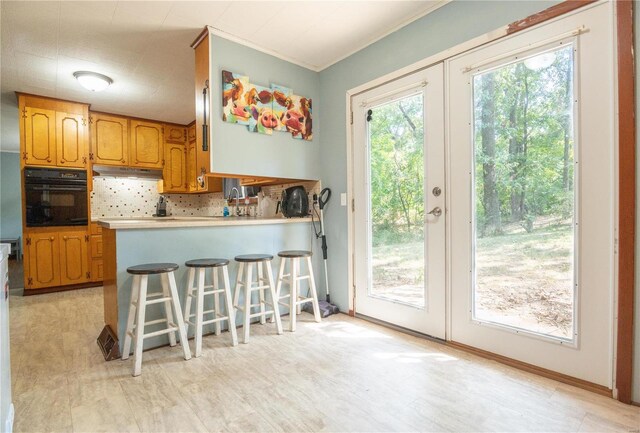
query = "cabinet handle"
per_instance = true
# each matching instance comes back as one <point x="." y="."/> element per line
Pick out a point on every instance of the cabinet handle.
<point x="61" y="161"/>
<point x="51" y="238"/>
<point x="205" y="115"/>
<point x="48" y="159"/>
<point x="122" y="160"/>
<point x="63" y="237"/>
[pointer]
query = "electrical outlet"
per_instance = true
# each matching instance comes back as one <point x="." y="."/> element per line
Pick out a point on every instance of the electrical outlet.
<point x="343" y="199"/>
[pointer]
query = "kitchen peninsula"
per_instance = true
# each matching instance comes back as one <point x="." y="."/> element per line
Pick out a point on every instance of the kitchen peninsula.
<point x="129" y="242"/>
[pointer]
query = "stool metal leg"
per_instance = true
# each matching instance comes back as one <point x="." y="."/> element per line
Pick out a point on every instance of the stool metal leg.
<point x="167" y="308"/>
<point x="179" y="319"/>
<point x="140" y="317"/>
<point x="247" y="303"/>
<point x="314" y="292"/>
<point x="293" y="298"/>
<point x="134" y="300"/>
<point x="188" y="297"/>
<point x="261" y="281"/>
<point x="216" y="299"/>
<point x="231" y="314"/>
<point x="199" y="310"/>
<point x="274" y="298"/>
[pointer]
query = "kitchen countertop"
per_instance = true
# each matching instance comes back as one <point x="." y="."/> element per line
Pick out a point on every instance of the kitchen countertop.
<point x="173" y="222"/>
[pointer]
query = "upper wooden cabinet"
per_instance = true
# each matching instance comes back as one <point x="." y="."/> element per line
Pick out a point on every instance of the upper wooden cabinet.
<point x="175" y="134"/>
<point x="203" y="108"/>
<point x="175" y="169"/>
<point x="53" y="132"/>
<point x="146" y="145"/>
<point x="40" y="136"/>
<point x="109" y="139"/>
<point x="71" y="139"/>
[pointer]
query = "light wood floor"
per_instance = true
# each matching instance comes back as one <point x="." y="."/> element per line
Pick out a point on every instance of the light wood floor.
<point x="343" y="374"/>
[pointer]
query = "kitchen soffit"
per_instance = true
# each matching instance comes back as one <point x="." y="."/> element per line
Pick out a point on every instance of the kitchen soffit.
<point x="145" y="46"/>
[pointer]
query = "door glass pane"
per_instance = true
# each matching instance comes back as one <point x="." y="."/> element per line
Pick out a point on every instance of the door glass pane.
<point x="524" y="194"/>
<point x="396" y="140"/>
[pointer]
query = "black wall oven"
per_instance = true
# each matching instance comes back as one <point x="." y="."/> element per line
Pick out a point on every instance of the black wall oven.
<point x="55" y="197"/>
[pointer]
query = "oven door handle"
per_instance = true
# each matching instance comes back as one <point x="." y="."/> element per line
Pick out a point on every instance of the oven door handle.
<point x="55" y="188"/>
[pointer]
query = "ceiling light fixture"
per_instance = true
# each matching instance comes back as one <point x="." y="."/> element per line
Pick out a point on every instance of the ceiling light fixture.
<point x="92" y="80"/>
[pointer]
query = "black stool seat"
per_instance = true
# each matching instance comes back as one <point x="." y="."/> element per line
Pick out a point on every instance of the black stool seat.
<point x="294" y="254"/>
<point x="206" y="263"/>
<point x="152" y="268"/>
<point x="250" y="258"/>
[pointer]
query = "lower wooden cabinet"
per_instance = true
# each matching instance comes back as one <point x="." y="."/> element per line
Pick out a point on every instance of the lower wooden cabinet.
<point x="56" y="257"/>
<point x="95" y="253"/>
<point x="74" y="257"/>
<point x="42" y="252"/>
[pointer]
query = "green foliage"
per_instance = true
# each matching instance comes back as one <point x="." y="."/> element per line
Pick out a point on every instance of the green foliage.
<point x="533" y="156"/>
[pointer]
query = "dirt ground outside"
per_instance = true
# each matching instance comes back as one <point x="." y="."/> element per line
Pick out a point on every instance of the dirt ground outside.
<point x="524" y="280"/>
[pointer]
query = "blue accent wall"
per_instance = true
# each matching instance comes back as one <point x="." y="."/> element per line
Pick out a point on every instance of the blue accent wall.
<point x="234" y="148"/>
<point x="10" y="195"/>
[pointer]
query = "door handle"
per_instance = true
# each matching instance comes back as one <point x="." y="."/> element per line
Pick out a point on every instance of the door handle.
<point x="436" y="212"/>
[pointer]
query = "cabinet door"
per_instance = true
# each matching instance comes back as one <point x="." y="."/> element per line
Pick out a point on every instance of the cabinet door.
<point x="109" y="140"/>
<point x="175" y="134"/>
<point x="44" y="261"/>
<point x="191" y="167"/>
<point x="74" y="258"/>
<point x="191" y="133"/>
<point x="71" y="140"/>
<point x="146" y="144"/>
<point x="97" y="270"/>
<point x="96" y="246"/>
<point x="175" y="176"/>
<point x="40" y="136"/>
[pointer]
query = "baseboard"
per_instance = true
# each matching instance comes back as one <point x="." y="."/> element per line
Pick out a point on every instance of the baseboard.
<point x="569" y="380"/>
<point x="44" y="290"/>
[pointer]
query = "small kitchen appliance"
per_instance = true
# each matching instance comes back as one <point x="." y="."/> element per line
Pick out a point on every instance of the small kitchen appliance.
<point x="294" y="202"/>
<point x="161" y="207"/>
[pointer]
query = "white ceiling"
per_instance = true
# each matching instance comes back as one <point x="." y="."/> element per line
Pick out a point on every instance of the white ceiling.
<point x="145" y="46"/>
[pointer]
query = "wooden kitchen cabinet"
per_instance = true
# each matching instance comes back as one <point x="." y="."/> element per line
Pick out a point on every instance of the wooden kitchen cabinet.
<point x="53" y="132"/>
<point x="146" y="145"/>
<point x="191" y="167"/>
<point x="42" y="253"/>
<point x="95" y="253"/>
<point x="109" y="139"/>
<point x="74" y="258"/>
<point x="175" y="134"/>
<point x="175" y="169"/>
<point x="71" y="140"/>
<point x="39" y="136"/>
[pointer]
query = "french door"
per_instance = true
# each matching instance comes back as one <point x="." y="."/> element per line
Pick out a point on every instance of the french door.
<point x="399" y="202"/>
<point x="513" y="251"/>
<point x="532" y="196"/>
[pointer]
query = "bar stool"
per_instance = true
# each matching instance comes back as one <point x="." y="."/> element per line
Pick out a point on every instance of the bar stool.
<point x="245" y="280"/>
<point x="138" y="306"/>
<point x="200" y="266"/>
<point x="293" y="278"/>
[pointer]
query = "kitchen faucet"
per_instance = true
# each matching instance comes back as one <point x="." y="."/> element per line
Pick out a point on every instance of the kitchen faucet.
<point x="237" y="199"/>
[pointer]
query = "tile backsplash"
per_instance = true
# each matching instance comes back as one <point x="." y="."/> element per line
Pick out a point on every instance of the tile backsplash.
<point x="133" y="198"/>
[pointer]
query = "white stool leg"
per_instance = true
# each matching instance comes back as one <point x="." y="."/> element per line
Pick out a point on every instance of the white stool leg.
<point x="199" y="311"/>
<point x="135" y="288"/>
<point x="167" y="308"/>
<point x="274" y="298"/>
<point x="293" y="298"/>
<point x="279" y="283"/>
<point x="236" y="293"/>
<point x="140" y="318"/>
<point x="299" y="306"/>
<point x="216" y="299"/>
<point x="184" y="342"/>
<point x="247" y="303"/>
<point x="261" y="281"/>
<point x="231" y="314"/>
<point x="189" y="295"/>
<point x="314" y="292"/>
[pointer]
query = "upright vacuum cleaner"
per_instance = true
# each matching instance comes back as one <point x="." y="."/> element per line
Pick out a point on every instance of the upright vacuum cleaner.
<point x="321" y="200"/>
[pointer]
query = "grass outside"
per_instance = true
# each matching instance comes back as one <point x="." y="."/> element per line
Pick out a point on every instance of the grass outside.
<point x="524" y="279"/>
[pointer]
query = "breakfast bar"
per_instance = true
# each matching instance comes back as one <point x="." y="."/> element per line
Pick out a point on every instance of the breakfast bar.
<point x="130" y="242"/>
